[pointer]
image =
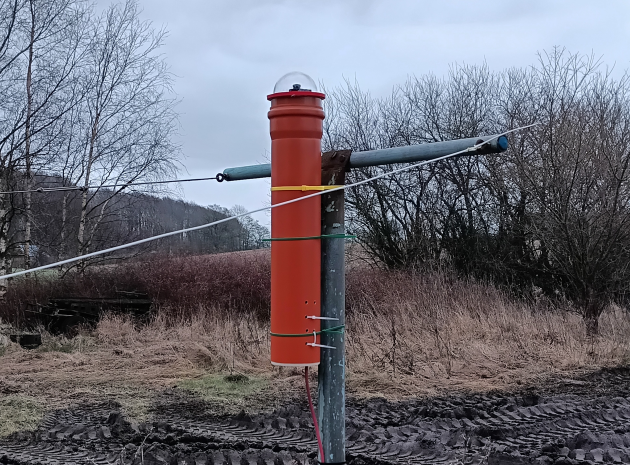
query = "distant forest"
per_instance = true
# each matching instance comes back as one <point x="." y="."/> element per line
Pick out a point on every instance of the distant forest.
<point x="129" y="217"/>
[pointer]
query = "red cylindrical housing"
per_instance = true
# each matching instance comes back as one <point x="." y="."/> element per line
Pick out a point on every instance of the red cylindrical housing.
<point x="296" y="120"/>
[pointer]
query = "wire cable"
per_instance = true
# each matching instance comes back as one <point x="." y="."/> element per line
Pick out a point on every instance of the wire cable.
<point x="310" y="405"/>
<point x="230" y="218"/>
<point x="108" y="186"/>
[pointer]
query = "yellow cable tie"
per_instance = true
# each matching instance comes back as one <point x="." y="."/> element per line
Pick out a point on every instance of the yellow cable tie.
<point x="303" y="188"/>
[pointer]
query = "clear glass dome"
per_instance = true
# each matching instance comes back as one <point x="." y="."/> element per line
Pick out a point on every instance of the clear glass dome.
<point x="295" y="81"/>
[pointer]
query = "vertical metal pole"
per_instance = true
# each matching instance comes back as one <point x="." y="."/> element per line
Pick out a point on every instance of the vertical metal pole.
<point x="332" y="369"/>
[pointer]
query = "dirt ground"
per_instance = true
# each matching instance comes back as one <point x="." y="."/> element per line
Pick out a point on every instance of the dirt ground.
<point x="566" y="421"/>
<point x="133" y="371"/>
<point x="524" y="388"/>
<point x="83" y="401"/>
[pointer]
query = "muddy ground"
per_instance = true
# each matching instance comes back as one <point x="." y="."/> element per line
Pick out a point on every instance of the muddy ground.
<point x="565" y="422"/>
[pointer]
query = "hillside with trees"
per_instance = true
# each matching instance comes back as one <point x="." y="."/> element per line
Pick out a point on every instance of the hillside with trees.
<point x="86" y="107"/>
<point x="132" y="216"/>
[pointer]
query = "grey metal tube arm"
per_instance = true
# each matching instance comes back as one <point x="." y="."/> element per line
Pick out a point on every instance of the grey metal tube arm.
<point x="405" y="154"/>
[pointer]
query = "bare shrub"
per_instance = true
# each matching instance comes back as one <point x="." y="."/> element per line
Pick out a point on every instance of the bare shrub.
<point x="236" y="283"/>
<point x="550" y="214"/>
<point x="407" y="333"/>
<point x="409" y="330"/>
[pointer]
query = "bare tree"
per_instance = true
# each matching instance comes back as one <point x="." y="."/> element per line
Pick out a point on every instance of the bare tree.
<point x="251" y="234"/>
<point x="39" y="54"/>
<point x="574" y="168"/>
<point x="11" y="50"/>
<point x="54" y="31"/>
<point x="552" y="213"/>
<point x="423" y="215"/>
<point x="128" y="116"/>
<point x="85" y="101"/>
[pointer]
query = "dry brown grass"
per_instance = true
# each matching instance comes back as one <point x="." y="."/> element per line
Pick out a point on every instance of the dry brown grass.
<point x="19" y="413"/>
<point x="413" y="335"/>
<point x="132" y="364"/>
<point x="406" y="336"/>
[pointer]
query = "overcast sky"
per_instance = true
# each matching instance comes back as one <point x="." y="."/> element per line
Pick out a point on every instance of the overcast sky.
<point x="228" y="54"/>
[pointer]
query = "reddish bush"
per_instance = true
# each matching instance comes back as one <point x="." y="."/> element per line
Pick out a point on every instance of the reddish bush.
<point x="180" y="286"/>
<point x="236" y="284"/>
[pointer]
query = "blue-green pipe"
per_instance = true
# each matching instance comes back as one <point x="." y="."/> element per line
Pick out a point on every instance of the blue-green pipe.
<point x="405" y="154"/>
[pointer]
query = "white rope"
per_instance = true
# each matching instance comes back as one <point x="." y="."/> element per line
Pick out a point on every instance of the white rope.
<point x="207" y="225"/>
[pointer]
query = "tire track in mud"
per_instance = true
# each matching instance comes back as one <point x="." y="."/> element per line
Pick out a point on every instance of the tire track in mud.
<point x="585" y="422"/>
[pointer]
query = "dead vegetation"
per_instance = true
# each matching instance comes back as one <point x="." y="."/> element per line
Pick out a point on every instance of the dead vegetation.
<point x="232" y="283"/>
<point x="407" y="335"/>
<point x="19" y="413"/>
<point x="425" y="334"/>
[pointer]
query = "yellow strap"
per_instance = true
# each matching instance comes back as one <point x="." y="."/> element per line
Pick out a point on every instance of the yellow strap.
<point x="303" y="188"/>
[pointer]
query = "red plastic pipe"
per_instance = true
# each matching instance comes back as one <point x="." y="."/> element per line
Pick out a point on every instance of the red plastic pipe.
<point x="296" y="120"/>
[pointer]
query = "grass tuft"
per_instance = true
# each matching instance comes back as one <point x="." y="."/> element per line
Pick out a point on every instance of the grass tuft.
<point x="19" y="413"/>
<point x="224" y="388"/>
<point x="62" y="344"/>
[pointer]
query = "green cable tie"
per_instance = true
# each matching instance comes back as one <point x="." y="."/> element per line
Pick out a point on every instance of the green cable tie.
<point x="323" y="236"/>
<point x="333" y="330"/>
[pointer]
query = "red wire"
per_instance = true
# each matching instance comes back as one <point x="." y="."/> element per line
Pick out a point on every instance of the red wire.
<point x="310" y="404"/>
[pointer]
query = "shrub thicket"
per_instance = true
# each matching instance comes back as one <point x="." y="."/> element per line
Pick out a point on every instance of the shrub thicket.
<point x="179" y="286"/>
